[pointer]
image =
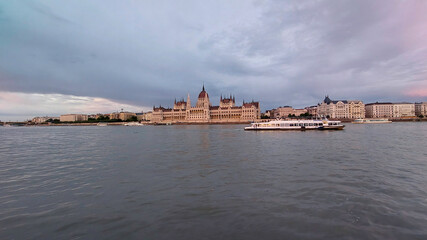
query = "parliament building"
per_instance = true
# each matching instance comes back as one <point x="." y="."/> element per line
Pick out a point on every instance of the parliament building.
<point x="204" y="112"/>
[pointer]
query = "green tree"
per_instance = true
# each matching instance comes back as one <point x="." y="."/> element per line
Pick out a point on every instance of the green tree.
<point x="103" y="118"/>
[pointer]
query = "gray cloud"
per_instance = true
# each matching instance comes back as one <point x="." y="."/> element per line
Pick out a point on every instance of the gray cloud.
<point x="279" y="52"/>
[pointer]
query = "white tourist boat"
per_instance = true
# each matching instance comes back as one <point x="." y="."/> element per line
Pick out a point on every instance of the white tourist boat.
<point x="312" y="124"/>
<point x="102" y="124"/>
<point x="133" y="124"/>
<point x="372" y="120"/>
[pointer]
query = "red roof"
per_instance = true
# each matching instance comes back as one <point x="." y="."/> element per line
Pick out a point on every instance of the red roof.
<point x="203" y="94"/>
<point x="250" y="104"/>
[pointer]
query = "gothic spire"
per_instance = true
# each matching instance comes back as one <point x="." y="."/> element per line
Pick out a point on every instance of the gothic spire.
<point x="188" y="100"/>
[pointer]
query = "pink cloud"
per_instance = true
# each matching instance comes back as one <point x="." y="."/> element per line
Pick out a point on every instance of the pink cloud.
<point x="421" y="92"/>
<point x="15" y="103"/>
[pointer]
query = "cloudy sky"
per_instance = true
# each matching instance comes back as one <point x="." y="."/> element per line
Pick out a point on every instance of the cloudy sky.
<point x="94" y="56"/>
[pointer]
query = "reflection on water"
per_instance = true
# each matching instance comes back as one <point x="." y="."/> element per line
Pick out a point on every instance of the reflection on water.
<point x="213" y="182"/>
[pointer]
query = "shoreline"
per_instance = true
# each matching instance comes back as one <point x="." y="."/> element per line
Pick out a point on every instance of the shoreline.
<point x="26" y="124"/>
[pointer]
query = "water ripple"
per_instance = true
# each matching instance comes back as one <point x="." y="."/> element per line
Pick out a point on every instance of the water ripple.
<point x="213" y="182"/>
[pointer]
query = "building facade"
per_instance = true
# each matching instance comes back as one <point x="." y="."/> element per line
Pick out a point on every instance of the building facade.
<point x="269" y="113"/>
<point x="390" y="110"/>
<point x="379" y="110"/>
<point x="283" y="112"/>
<point x="204" y="112"/>
<point x="421" y="109"/>
<point x="350" y="109"/>
<point x="147" y="116"/>
<point x="73" y="118"/>
<point x="43" y="119"/>
<point x="404" y="109"/>
<point x="122" y="115"/>
<point x="312" y="110"/>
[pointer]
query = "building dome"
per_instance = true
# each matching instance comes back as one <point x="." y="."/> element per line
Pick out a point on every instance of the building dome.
<point x="203" y="93"/>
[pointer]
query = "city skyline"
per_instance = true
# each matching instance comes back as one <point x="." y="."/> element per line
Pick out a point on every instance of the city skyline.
<point x="105" y="106"/>
<point x="79" y="57"/>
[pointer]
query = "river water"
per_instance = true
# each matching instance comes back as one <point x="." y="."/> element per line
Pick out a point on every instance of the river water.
<point x="213" y="182"/>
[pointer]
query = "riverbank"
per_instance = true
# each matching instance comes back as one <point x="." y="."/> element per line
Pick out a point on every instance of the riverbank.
<point x="21" y="124"/>
<point x="391" y="119"/>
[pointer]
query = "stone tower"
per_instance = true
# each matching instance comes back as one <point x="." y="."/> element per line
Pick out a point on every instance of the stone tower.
<point x="188" y="101"/>
<point x="203" y="99"/>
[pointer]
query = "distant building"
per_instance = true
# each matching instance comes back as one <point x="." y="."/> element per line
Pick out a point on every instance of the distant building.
<point x="146" y="116"/>
<point x="285" y="111"/>
<point x="114" y="115"/>
<point x="43" y="119"/>
<point x="390" y="110"/>
<point x="204" y="112"/>
<point x="350" y="109"/>
<point x="269" y="113"/>
<point x="312" y="110"/>
<point x="124" y="116"/>
<point x="379" y="110"/>
<point x="403" y="109"/>
<point x="121" y="115"/>
<point x="299" y="112"/>
<point x="139" y="116"/>
<point x="73" y="118"/>
<point x="421" y="109"/>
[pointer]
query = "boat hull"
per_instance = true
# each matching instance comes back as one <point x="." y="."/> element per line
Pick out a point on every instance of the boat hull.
<point x="295" y="129"/>
<point x="371" y="121"/>
<point x="279" y="129"/>
<point x="332" y="128"/>
<point x="296" y="125"/>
